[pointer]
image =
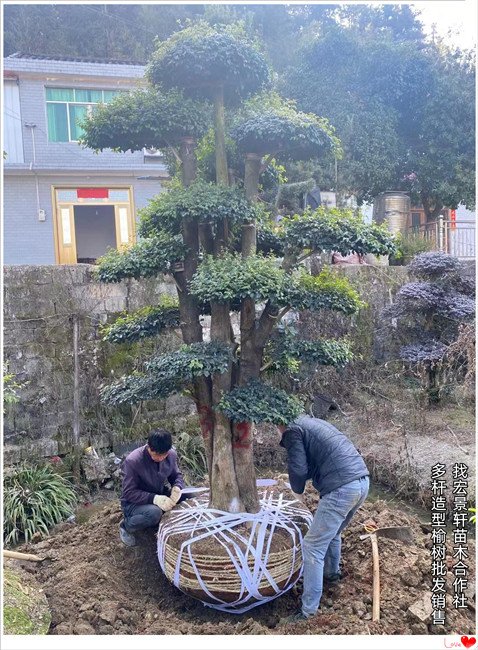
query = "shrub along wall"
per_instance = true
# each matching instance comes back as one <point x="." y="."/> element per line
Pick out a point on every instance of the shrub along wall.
<point x="52" y="344"/>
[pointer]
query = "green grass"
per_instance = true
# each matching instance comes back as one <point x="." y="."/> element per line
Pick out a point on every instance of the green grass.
<point x="25" y="609"/>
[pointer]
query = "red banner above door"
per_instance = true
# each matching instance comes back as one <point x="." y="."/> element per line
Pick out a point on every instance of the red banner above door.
<point x="92" y="193"/>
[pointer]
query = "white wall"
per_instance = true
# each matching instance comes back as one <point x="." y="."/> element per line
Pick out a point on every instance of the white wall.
<point x="12" y="123"/>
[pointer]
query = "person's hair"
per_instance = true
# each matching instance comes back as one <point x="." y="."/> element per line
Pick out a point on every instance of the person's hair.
<point x="160" y="441"/>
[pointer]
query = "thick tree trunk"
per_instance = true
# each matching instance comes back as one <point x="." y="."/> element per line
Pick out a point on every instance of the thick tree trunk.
<point x="242" y="447"/>
<point x="187" y="153"/>
<point x="244" y="466"/>
<point x="250" y="365"/>
<point x="251" y="186"/>
<point x="432" y="210"/>
<point x="251" y="356"/>
<point x="222" y="175"/>
<point x="203" y="395"/>
<point x="189" y="313"/>
<point x="225" y="493"/>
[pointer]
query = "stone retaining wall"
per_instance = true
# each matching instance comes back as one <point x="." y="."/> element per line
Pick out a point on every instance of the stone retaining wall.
<point x="41" y="305"/>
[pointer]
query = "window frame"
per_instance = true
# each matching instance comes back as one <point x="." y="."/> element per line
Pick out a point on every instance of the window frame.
<point x="67" y="103"/>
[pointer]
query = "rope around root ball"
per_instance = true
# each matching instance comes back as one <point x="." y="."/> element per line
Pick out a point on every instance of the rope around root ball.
<point x="239" y="569"/>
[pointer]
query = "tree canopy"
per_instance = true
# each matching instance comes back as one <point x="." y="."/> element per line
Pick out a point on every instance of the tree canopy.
<point x="403" y="109"/>
<point x="199" y="59"/>
<point x="146" y="118"/>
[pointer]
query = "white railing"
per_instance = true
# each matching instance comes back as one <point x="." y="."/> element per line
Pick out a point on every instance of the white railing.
<point x="454" y="237"/>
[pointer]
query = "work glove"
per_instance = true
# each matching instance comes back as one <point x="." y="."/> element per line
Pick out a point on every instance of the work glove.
<point x="175" y="494"/>
<point x="299" y="497"/>
<point x="163" y="502"/>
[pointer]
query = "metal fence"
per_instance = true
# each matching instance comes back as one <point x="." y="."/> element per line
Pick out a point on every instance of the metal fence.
<point x="454" y="237"/>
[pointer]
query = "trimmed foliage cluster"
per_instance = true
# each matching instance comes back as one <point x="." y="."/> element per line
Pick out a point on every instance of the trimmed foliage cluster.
<point x="231" y="277"/>
<point x="434" y="265"/>
<point x="147" y="258"/>
<point x="258" y="402"/>
<point x="338" y="230"/>
<point x="170" y="373"/>
<point x="34" y="499"/>
<point x="428" y="352"/>
<point x="286" y="350"/>
<point x="324" y="291"/>
<point x="199" y="60"/>
<point x="298" y="136"/>
<point x="270" y="240"/>
<point x="144" y="323"/>
<point x="145" y="118"/>
<point x="201" y="202"/>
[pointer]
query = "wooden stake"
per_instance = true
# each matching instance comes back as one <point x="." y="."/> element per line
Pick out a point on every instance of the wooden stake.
<point x="22" y="556"/>
<point x="376" y="579"/>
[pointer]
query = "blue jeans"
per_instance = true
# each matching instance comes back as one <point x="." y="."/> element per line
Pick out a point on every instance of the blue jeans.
<point x="145" y="516"/>
<point x="322" y="543"/>
<point x="140" y="517"/>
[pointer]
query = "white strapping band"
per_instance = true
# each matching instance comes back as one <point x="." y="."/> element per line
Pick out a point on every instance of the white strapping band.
<point x="248" y="553"/>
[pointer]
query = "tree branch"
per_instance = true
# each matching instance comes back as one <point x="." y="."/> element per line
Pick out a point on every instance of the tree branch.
<point x="267" y="365"/>
<point x="206" y="237"/>
<point x="175" y="153"/>
<point x="304" y="257"/>
<point x="267" y="162"/>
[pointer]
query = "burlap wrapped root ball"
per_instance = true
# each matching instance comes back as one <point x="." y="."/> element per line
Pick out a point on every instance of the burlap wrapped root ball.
<point x="235" y="561"/>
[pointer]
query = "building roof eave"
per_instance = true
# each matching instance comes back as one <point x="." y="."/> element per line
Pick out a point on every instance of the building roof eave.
<point x="139" y="174"/>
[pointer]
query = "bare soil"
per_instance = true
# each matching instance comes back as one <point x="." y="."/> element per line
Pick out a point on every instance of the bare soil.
<point x="96" y="585"/>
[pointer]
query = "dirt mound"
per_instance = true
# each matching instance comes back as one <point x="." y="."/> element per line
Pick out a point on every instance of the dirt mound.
<point x="96" y="585"/>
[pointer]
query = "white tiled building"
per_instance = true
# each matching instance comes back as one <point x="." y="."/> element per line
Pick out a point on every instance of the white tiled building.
<point x="63" y="203"/>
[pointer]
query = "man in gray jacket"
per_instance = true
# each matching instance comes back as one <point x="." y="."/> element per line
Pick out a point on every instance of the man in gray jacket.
<point x="317" y="450"/>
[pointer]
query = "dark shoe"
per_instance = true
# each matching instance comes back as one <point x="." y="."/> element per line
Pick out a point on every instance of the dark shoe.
<point x="298" y="617"/>
<point x="332" y="579"/>
<point x="127" y="538"/>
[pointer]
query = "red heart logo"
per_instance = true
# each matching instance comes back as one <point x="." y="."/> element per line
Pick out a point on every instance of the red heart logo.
<point x="468" y="641"/>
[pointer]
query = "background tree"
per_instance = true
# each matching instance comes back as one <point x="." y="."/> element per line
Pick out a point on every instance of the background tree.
<point x="124" y="32"/>
<point x="128" y="31"/>
<point x="193" y="232"/>
<point x="388" y="100"/>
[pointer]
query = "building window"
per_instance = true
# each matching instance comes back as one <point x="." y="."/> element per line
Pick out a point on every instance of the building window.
<point x="66" y="107"/>
<point x="416" y="220"/>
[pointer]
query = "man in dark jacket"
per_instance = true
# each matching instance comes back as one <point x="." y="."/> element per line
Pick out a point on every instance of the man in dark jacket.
<point x="317" y="450"/>
<point x="145" y="495"/>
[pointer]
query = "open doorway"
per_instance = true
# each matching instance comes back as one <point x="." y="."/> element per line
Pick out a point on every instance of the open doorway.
<point x="95" y="231"/>
<point x="90" y="220"/>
